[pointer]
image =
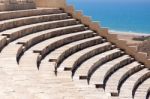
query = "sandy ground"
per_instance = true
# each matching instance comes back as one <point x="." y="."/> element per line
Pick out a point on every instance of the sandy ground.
<point x="129" y="37"/>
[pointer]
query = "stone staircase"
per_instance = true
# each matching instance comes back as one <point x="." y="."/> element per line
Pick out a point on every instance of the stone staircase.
<point x="47" y="54"/>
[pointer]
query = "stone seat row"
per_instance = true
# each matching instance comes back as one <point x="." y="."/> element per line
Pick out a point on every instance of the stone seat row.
<point x="13" y="23"/>
<point x="16" y="24"/>
<point x="6" y="15"/>
<point x="143" y="90"/>
<point x="30" y="40"/>
<point x="104" y="72"/>
<point x="40" y="31"/>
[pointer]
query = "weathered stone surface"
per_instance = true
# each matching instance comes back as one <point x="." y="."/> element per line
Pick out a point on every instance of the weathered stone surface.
<point x="9" y="5"/>
<point x="41" y="50"/>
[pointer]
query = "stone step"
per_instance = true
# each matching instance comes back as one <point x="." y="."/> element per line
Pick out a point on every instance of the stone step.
<point x="148" y="94"/>
<point x="142" y="90"/>
<point x="5" y="15"/>
<point x="3" y="42"/>
<point x="128" y="86"/>
<point x="112" y="55"/>
<point x="10" y="54"/>
<point x="94" y="62"/>
<point x="32" y="39"/>
<point x="15" y="51"/>
<point x="79" y="57"/>
<point x="63" y="87"/>
<point x="48" y="45"/>
<point x="117" y="77"/>
<point x="47" y="67"/>
<point x="139" y="81"/>
<point x="27" y="64"/>
<point x="13" y="23"/>
<point x="61" y="53"/>
<point x="43" y="85"/>
<point x="89" y="90"/>
<point x="67" y="49"/>
<point x="99" y="77"/>
<point x="84" y="89"/>
<point x="18" y="32"/>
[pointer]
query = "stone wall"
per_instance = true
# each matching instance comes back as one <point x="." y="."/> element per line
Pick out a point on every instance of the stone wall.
<point x="51" y="3"/>
<point x="9" y="5"/>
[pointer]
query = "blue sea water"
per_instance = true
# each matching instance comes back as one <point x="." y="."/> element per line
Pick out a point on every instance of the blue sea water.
<point x="118" y="16"/>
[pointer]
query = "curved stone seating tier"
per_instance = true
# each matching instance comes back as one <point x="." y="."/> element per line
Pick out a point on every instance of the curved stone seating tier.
<point x="115" y="79"/>
<point x="100" y="94"/>
<point x="82" y="70"/>
<point x="148" y="94"/>
<point x="100" y="76"/>
<point x="128" y="86"/>
<point x="46" y="53"/>
<point x="29" y="65"/>
<point x="12" y="50"/>
<point x="49" y="45"/>
<point x="114" y="54"/>
<point x="84" y="89"/>
<point x="8" y="49"/>
<point x="37" y="37"/>
<point x="3" y="41"/>
<point x="139" y="81"/>
<point x="13" y="23"/>
<point x="8" y="58"/>
<point x="16" y="33"/>
<point x="127" y="75"/>
<point x="77" y="58"/>
<point x="61" y="53"/>
<point x="6" y="15"/>
<point x="142" y="90"/>
<point x="46" y="46"/>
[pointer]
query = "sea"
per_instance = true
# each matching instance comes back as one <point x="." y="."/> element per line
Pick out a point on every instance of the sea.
<point x="118" y="15"/>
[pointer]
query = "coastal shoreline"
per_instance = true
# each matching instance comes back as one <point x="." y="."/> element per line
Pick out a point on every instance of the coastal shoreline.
<point x="128" y="37"/>
<point x="128" y="33"/>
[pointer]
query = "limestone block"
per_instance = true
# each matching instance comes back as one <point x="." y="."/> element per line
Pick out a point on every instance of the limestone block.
<point x="8" y="5"/>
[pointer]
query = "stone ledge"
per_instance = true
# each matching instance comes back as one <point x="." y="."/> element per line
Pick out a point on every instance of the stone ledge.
<point x="17" y="6"/>
<point x="2" y="7"/>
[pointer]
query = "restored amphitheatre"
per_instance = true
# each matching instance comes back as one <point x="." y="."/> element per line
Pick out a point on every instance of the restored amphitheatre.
<point x="51" y="51"/>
